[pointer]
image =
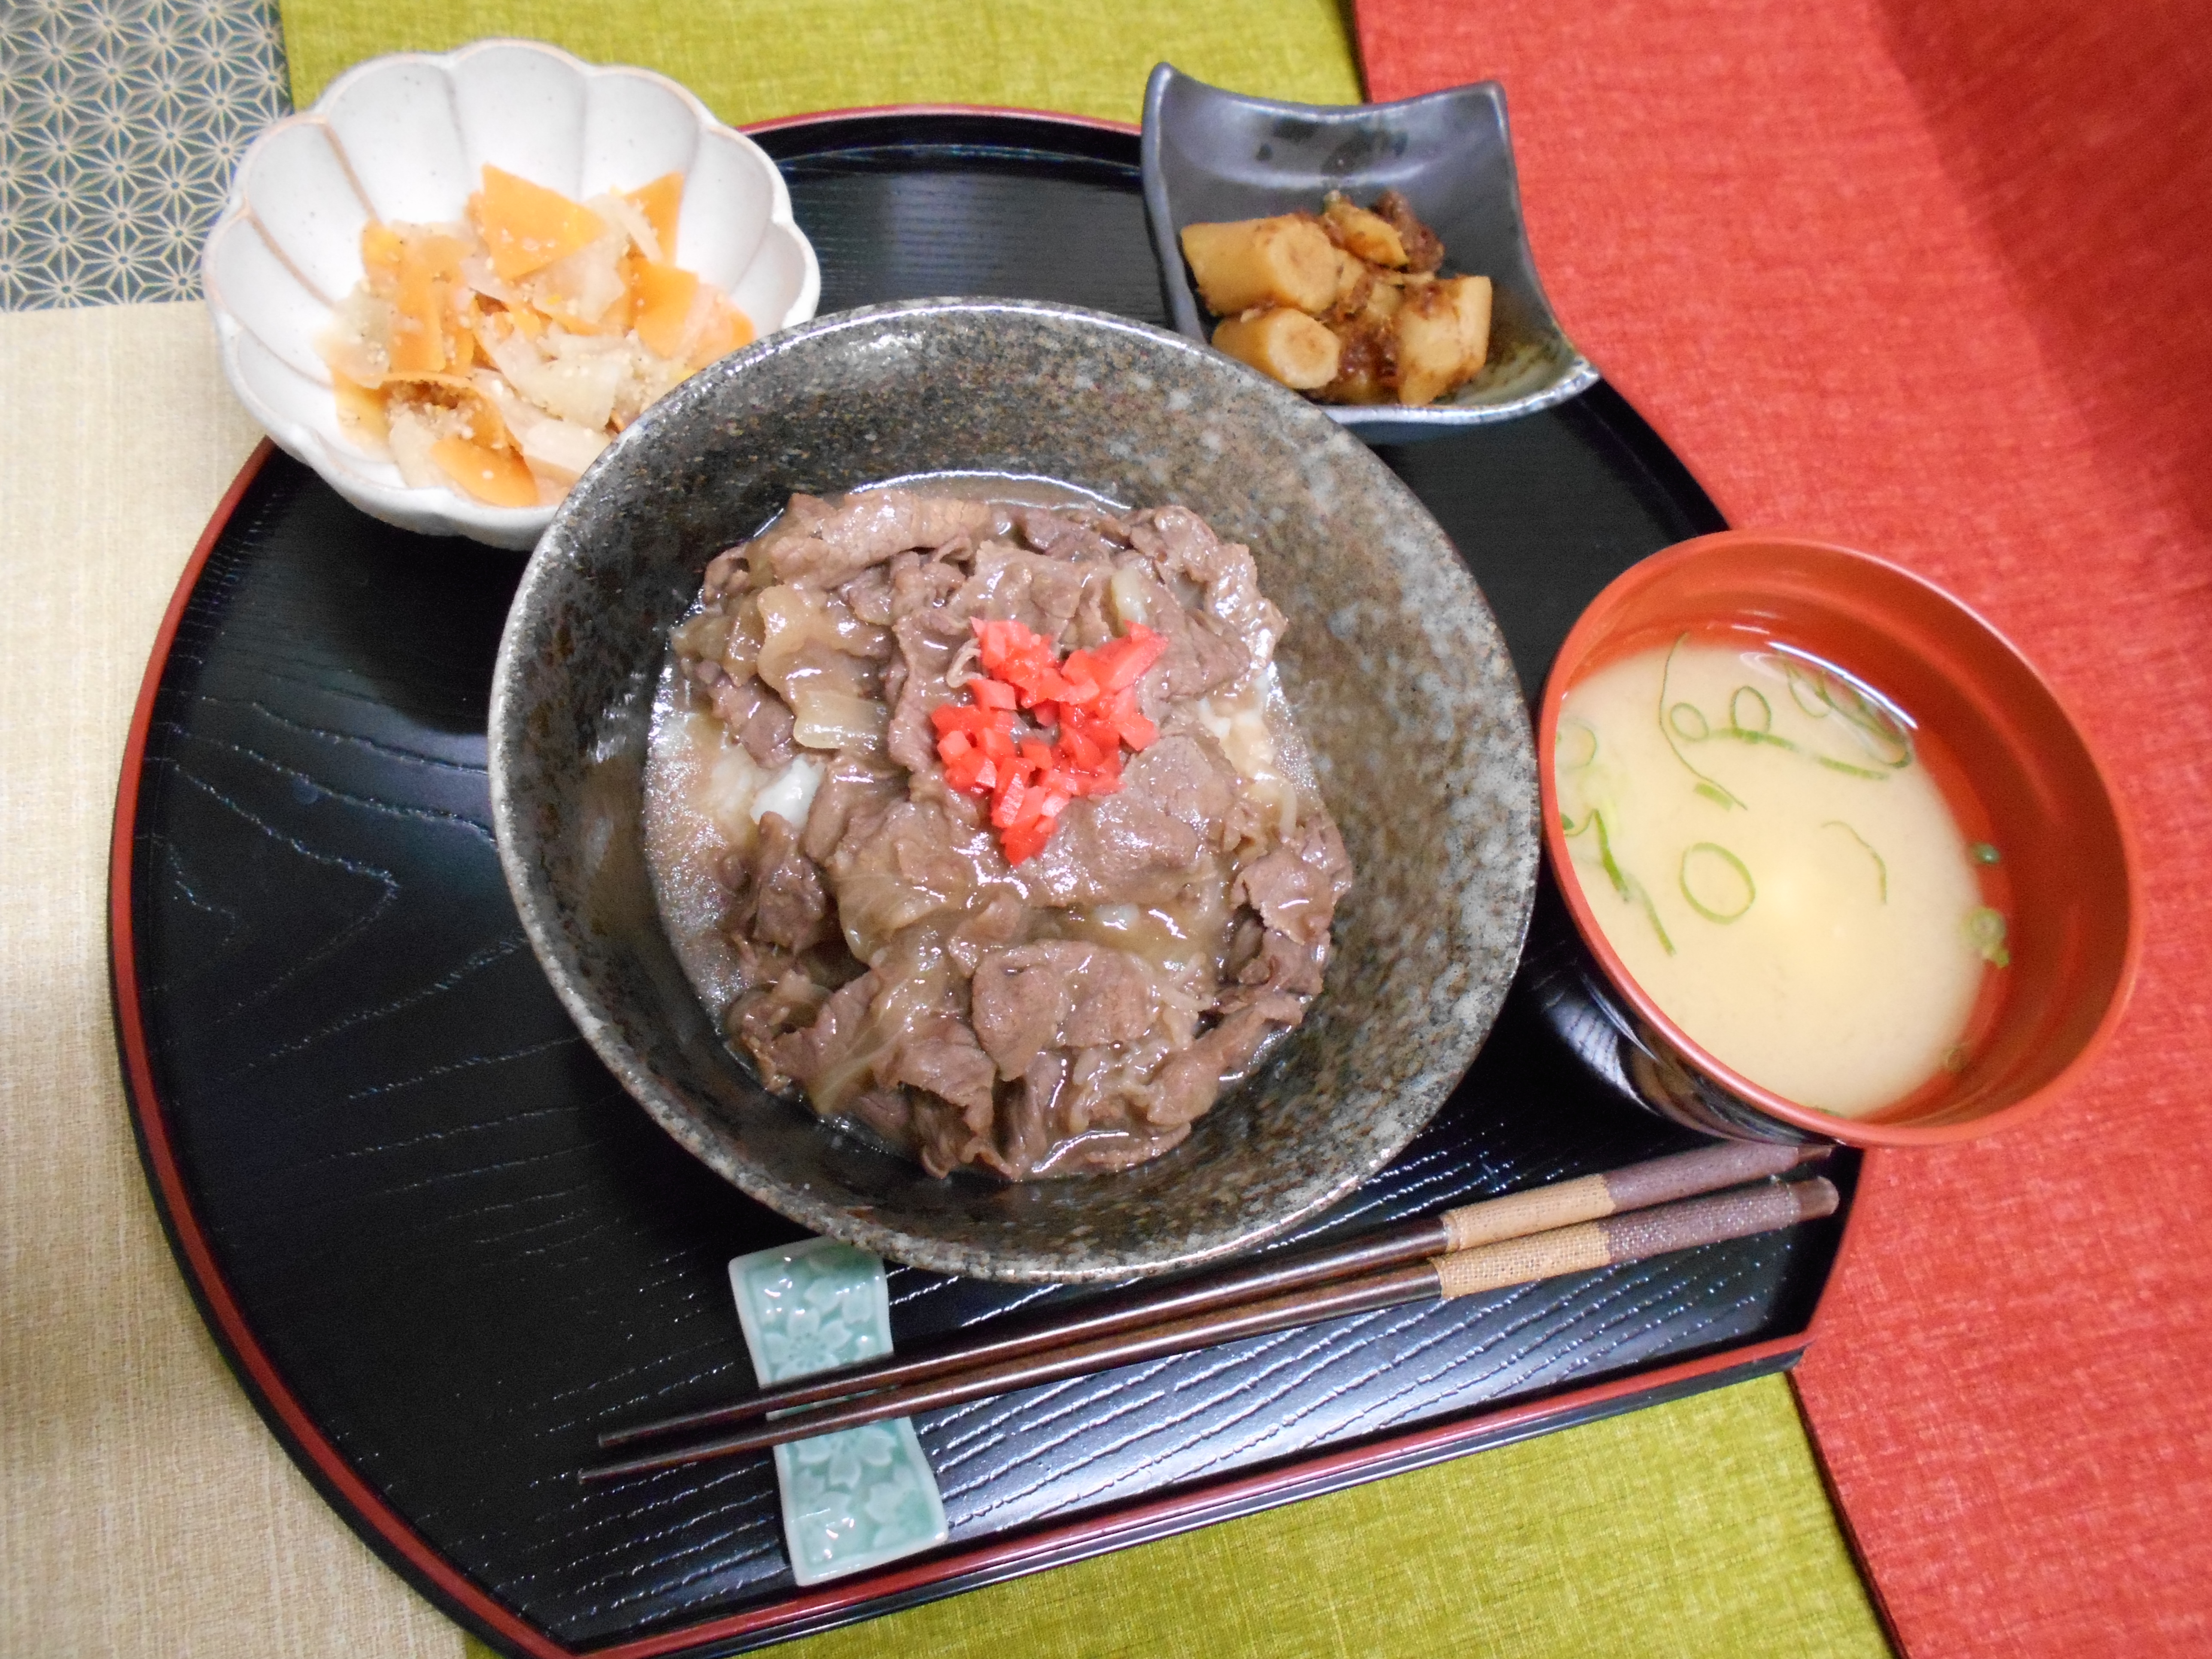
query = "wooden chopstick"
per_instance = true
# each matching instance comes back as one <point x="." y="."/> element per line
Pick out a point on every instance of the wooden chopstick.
<point x="1577" y="1248"/>
<point x="1589" y="1198"/>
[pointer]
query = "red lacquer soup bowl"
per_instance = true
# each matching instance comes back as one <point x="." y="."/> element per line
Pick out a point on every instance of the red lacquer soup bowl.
<point x="2011" y="764"/>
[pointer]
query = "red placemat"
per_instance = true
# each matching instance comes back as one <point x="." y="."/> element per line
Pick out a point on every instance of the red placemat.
<point x="1935" y="280"/>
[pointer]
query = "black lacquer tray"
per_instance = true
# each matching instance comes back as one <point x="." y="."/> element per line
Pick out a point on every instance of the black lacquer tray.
<point x="441" y="1248"/>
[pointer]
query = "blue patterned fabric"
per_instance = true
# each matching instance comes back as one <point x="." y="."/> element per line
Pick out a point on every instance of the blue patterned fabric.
<point x="121" y="122"/>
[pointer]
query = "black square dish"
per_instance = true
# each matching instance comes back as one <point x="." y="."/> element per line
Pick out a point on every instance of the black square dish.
<point x="1211" y="155"/>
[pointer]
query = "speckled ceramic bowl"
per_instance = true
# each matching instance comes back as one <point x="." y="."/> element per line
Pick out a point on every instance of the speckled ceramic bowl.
<point x="1392" y="663"/>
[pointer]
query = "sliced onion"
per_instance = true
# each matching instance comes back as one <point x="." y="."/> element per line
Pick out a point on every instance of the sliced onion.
<point x="836" y="720"/>
<point x="625" y="212"/>
<point x="1125" y="590"/>
<point x="561" y="450"/>
<point x="789" y="617"/>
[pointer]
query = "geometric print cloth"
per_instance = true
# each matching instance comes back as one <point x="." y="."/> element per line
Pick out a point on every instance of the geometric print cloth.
<point x="121" y="123"/>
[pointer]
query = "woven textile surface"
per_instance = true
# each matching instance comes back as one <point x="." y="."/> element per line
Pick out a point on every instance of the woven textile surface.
<point x="143" y="1508"/>
<point x="121" y="122"/>
<point x="752" y="61"/>
<point x="1928" y="278"/>
<point x="1696" y="1529"/>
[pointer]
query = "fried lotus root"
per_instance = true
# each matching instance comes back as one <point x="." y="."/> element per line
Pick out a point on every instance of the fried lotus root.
<point x="1284" y="344"/>
<point x="1345" y="305"/>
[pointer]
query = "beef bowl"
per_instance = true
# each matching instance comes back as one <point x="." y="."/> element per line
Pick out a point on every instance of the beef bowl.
<point x="1005" y="453"/>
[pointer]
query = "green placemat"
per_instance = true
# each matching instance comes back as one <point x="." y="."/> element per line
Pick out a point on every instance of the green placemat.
<point x="1699" y="1528"/>
<point x="751" y="61"/>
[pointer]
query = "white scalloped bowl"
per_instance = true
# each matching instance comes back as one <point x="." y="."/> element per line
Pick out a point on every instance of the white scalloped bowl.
<point x="406" y="137"/>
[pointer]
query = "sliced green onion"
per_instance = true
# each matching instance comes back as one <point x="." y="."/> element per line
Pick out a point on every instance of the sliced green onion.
<point x="1605" y="857"/>
<point x="1875" y="726"/>
<point x="1765" y="710"/>
<point x="1954" y="1058"/>
<point x="1982" y="852"/>
<point x="1817" y="708"/>
<point x="1709" y="913"/>
<point x="1566" y="754"/>
<point x="1742" y="734"/>
<point x="1714" y="792"/>
<point x="1713" y="785"/>
<point x="1880" y="869"/>
<point x="1674" y="719"/>
<point x="1849" y="770"/>
<point x="1985" y="931"/>
<point x="1626" y="885"/>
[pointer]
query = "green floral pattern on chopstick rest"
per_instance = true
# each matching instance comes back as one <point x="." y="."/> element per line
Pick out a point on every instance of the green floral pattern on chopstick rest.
<point x="863" y="1497"/>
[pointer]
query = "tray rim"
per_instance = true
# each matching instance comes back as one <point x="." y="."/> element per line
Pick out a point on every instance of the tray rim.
<point x="823" y="117"/>
<point x="948" y="1571"/>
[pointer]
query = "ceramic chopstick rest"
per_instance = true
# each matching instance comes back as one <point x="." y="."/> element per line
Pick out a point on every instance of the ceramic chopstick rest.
<point x="858" y="1498"/>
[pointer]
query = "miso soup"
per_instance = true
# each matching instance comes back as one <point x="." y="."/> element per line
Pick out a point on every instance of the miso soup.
<point x="1760" y="840"/>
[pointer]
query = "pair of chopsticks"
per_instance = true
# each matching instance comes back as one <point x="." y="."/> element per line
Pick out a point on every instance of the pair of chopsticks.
<point x="1646" y="1209"/>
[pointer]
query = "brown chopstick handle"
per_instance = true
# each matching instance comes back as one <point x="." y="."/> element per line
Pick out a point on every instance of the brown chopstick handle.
<point x="1566" y="1250"/>
<point x="1592" y="1198"/>
<point x="1615" y="1239"/>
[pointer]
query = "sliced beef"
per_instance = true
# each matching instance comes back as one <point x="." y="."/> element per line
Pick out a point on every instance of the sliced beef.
<point x="944" y="1139"/>
<point x="1041" y="593"/>
<point x="1191" y="1081"/>
<point x="868" y="529"/>
<point x="912" y="861"/>
<point x="852" y="788"/>
<point x="1042" y="1020"/>
<point x="756" y="716"/>
<point x="1145" y="842"/>
<point x="827" y="1056"/>
<point x="1295" y="889"/>
<point x="999" y="922"/>
<point x="726" y="574"/>
<point x="1069" y="993"/>
<point x="1077" y="1115"/>
<point x="918" y="583"/>
<point x="889" y="1113"/>
<point x="1063" y="535"/>
<point x="868" y="596"/>
<point x="948" y="1064"/>
<point x="760" y="1017"/>
<point x="1280" y="965"/>
<point x="1181" y="544"/>
<point x="783" y="902"/>
<point x="927" y="643"/>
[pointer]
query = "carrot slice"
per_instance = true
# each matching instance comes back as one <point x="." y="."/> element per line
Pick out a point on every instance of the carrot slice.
<point x="660" y="202"/>
<point x="381" y="246"/>
<point x="664" y="305"/>
<point x="360" y="410"/>
<point x="526" y="227"/>
<point x="498" y="478"/>
<point x="424" y="337"/>
<point x="726" y="330"/>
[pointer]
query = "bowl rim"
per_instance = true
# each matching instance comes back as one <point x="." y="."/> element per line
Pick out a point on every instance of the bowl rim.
<point x="438" y="509"/>
<point x="667" y="1106"/>
<point x="1589" y="629"/>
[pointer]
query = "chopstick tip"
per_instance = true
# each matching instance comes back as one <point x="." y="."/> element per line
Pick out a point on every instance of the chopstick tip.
<point x="1817" y="1197"/>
